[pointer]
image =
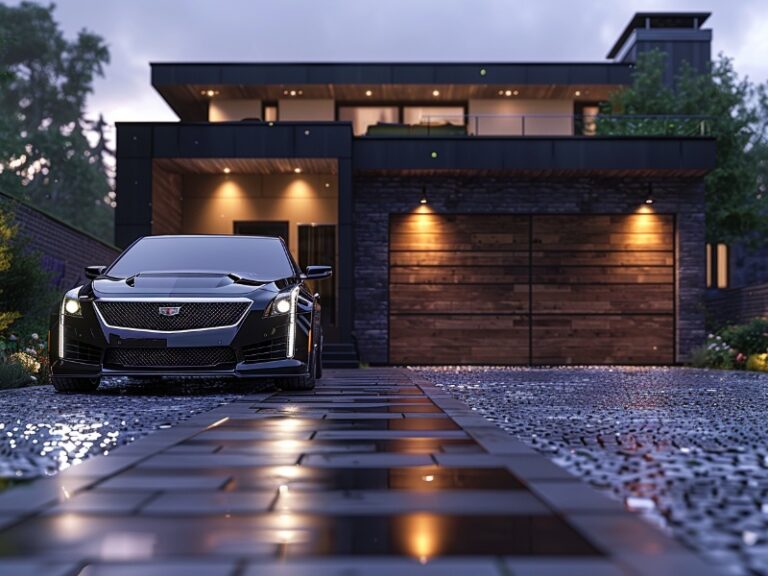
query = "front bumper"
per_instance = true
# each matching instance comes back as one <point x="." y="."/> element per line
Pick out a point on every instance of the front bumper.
<point x="89" y="347"/>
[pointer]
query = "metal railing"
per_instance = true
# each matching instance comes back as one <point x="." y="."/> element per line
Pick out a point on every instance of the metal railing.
<point x="548" y="125"/>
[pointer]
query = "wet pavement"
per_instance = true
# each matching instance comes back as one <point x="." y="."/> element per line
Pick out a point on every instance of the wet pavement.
<point x="686" y="448"/>
<point x="42" y="432"/>
<point x="375" y="472"/>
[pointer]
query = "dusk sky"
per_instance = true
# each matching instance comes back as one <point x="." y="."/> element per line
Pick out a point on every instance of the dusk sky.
<point x="143" y="31"/>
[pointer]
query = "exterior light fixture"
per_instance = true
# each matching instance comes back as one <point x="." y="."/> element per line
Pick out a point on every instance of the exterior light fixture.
<point x="209" y="92"/>
<point x="369" y="93"/>
<point x="483" y="71"/>
<point x="649" y="194"/>
<point x="435" y="93"/>
<point x="423" y="200"/>
<point x="433" y="154"/>
<point x="227" y="170"/>
<point x="508" y="93"/>
<point x="292" y="92"/>
<point x="501" y="92"/>
<point x="327" y="184"/>
<point x="297" y="170"/>
<point x="577" y="93"/>
<point x="515" y="92"/>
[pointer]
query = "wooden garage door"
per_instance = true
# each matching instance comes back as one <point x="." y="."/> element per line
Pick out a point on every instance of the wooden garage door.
<point x="508" y="289"/>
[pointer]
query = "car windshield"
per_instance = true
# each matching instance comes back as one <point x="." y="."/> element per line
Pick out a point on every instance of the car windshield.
<point x="251" y="257"/>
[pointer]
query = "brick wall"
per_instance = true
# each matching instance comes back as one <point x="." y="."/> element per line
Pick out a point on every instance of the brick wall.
<point x="737" y="305"/>
<point x="378" y="196"/>
<point x="64" y="250"/>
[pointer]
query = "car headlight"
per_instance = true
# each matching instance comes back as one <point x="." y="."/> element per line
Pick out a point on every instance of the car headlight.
<point x="285" y="304"/>
<point x="70" y="306"/>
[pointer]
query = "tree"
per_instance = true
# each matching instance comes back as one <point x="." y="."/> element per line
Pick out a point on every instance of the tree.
<point x="736" y="112"/>
<point x="45" y="153"/>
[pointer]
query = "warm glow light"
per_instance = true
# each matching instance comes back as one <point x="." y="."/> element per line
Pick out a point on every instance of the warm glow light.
<point x="515" y="92"/>
<point x="292" y="92"/>
<point x="722" y="266"/>
<point x="428" y="478"/>
<point x="508" y="93"/>
<point x="297" y="170"/>
<point x="369" y="92"/>
<point x="435" y="92"/>
<point x="227" y="170"/>
<point x="327" y="184"/>
<point x="422" y="535"/>
<point x="210" y="93"/>
<point x="577" y="93"/>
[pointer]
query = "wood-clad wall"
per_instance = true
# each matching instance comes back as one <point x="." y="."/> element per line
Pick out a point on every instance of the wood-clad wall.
<point x="542" y="289"/>
<point x="166" y="201"/>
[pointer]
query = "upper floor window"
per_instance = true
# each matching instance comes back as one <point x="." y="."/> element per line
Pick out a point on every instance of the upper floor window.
<point x="717" y="265"/>
<point x="364" y="116"/>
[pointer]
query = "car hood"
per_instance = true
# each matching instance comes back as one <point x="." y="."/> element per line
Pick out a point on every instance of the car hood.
<point x="178" y="285"/>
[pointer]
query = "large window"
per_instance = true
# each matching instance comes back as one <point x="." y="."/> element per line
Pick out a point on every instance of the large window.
<point x="717" y="266"/>
<point x="364" y="116"/>
<point x="434" y="115"/>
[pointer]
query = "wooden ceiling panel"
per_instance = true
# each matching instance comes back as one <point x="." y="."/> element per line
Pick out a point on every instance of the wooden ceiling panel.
<point x="262" y="166"/>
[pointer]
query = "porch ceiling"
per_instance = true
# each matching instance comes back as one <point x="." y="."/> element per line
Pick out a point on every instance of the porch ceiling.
<point x="263" y="166"/>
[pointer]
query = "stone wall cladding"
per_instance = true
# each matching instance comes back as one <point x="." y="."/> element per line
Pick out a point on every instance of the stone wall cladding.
<point x="378" y="196"/>
<point x="64" y="250"/>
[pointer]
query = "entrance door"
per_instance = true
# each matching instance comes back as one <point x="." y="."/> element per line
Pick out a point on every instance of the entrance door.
<point x="317" y="246"/>
<point x="276" y="228"/>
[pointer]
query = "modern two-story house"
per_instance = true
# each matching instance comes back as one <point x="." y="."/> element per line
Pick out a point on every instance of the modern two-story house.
<point x="473" y="212"/>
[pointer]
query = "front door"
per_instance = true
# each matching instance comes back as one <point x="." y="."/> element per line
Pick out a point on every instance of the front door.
<point x="317" y="246"/>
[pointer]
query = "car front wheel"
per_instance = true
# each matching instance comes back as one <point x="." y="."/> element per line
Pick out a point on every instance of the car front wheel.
<point x="73" y="385"/>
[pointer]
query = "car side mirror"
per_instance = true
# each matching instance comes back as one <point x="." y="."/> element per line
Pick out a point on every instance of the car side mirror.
<point x="92" y="272"/>
<point x="317" y="272"/>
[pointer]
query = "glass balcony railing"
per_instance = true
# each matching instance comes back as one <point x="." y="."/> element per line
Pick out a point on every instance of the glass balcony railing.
<point x="546" y="125"/>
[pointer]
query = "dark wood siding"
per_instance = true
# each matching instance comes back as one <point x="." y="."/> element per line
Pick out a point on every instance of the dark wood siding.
<point x="518" y="289"/>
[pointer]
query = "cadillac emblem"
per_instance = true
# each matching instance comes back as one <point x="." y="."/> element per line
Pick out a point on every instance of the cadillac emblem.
<point x="169" y="310"/>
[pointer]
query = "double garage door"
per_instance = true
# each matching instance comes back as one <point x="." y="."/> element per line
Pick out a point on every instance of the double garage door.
<point x="531" y="289"/>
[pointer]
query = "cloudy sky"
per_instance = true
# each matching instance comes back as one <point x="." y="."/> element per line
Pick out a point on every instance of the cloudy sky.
<point x="143" y="31"/>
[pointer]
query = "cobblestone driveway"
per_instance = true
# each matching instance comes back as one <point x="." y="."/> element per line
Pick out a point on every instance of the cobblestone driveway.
<point x="688" y="448"/>
<point x="42" y="432"/>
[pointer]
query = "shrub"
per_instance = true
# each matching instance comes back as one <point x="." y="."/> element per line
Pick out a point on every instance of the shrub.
<point x="14" y="375"/>
<point x="716" y="353"/>
<point x="750" y="338"/>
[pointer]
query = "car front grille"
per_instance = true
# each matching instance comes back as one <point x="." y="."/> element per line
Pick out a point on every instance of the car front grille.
<point x="200" y="357"/>
<point x="146" y="315"/>
<point x="81" y="352"/>
<point x="273" y="349"/>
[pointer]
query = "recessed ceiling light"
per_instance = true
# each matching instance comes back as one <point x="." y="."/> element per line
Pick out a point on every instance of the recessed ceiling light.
<point x="227" y="170"/>
<point x="369" y="92"/>
<point x="327" y="184"/>
<point x="292" y="92"/>
<point x="515" y="92"/>
<point x="577" y="93"/>
<point x="501" y="92"/>
<point x="508" y="93"/>
<point x="297" y="170"/>
<point x="209" y="92"/>
<point x="435" y="92"/>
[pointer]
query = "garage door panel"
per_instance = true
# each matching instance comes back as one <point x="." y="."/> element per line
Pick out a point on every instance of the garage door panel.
<point x="454" y="338"/>
<point x="603" y="274"/>
<point x="603" y="258"/>
<point x="458" y="275"/>
<point x="452" y="258"/>
<point x="602" y="339"/>
<point x="603" y="299"/>
<point x="459" y="298"/>
<point x="601" y="289"/>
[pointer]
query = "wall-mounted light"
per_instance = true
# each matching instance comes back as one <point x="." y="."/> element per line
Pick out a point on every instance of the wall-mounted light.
<point x="483" y="71"/>
<point x="433" y="154"/>
<point x="649" y="194"/>
<point x="423" y="200"/>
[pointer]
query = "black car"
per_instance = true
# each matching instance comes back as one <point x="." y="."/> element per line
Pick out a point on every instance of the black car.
<point x="218" y="306"/>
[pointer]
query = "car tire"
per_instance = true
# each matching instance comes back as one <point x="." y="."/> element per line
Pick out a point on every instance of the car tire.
<point x="74" y="385"/>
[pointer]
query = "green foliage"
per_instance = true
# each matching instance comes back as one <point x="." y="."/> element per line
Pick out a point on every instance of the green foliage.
<point x="45" y="154"/>
<point x="14" y="375"/>
<point x="736" y="112"/>
<point x="714" y="354"/>
<point x="26" y="294"/>
<point x="750" y="338"/>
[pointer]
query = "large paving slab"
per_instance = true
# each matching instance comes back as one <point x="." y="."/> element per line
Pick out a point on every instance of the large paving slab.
<point x="376" y="472"/>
